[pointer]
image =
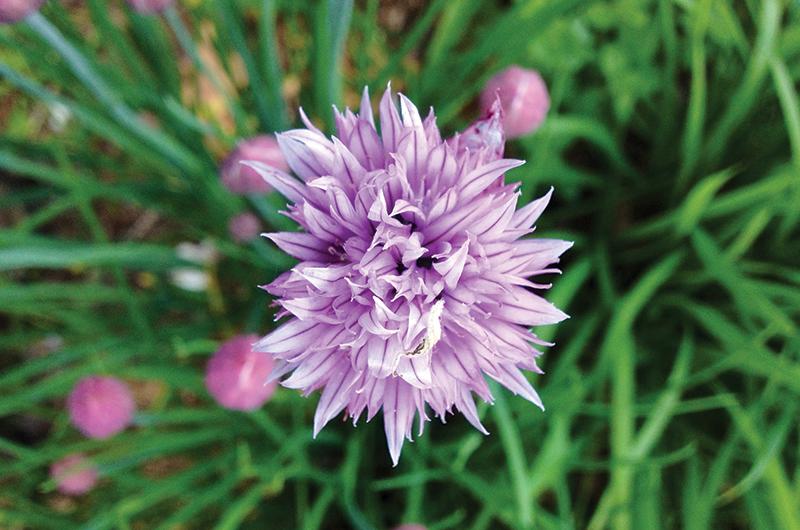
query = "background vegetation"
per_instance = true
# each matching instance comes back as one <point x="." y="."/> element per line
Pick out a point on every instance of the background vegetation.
<point x="673" y="144"/>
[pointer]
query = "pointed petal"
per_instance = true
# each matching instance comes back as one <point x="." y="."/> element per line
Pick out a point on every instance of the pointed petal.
<point x="391" y="125"/>
<point x="309" y="154"/>
<point x="510" y="377"/>
<point x="335" y="396"/>
<point x="279" y="369"/>
<point x="288" y="186"/>
<point x="528" y="214"/>
<point x="301" y="246"/>
<point x="523" y="307"/>
<point x="416" y="370"/>
<point x="398" y="415"/>
<point x="294" y="335"/>
<point x="308" y="123"/>
<point x="480" y="178"/>
<point x="365" y="109"/>
<point x="452" y="267"/>
<point x="466" y="405"/>
<point x="314" y="369"/>
<point x="383" y="355"/>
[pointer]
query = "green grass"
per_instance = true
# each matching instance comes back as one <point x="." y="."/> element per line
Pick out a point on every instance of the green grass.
<point x="673" y="144"/>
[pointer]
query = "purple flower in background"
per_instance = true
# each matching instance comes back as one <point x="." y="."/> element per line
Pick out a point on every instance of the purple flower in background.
<point x="150" y="6"/>
<point x="413" y="282"/>
<point x="74" y="474"/>
<point x="236" y="375"/>
<point x="100" y="407"/>
<point x="242" y="179"/>
<point x="244" y="227"/>
<point x="523" y="96"/>
<point x="15" y="10"/>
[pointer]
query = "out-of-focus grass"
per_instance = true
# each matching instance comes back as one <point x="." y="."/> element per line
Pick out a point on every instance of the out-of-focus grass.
<point x="674" y="147"/>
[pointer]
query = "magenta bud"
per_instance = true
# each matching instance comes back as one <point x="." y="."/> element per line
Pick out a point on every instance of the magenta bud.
<point x="15" y="10"/>
<point x="244" y="227"/>
<point x="150" y="6"/>
<point x="242" y="179"/>
<point x="410" y="527"/>
<point x="523" y="95"/>
<point x="100" y="407"/>
<point x="74" y="474"/>
<point x="236" y="375"/>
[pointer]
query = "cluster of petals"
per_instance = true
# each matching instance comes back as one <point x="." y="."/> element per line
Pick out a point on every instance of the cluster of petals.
<point x="413" y="285"/>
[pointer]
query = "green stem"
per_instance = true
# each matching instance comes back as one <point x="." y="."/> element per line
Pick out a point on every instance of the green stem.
<point x="515" y="458"/>
<point x="190" y="48"/>
<point x="106" y="95"/>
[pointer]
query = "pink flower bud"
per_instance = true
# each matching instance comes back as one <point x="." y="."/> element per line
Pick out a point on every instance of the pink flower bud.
<point x="74" y="474"/>
<point x="524" y="97"/>
<point x="236" y="375"/>
<point x="244" y="227"/>
<point x="410" y="527"/>
<point x="241" y="179"/>
<point x="100" y="407"/>
<point x="15" y="10"/>
<point x="150" y="6"/>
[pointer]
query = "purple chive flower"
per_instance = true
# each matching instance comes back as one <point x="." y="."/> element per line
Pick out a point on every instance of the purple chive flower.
<point x="244" y="227"/>
<point x="524" y="99"/>
<point x="236" y="375"/>
<point x="150" y="6"/>
<point x="74" y="474"/>
<point x="100" y="407"/>
<point x="15" y="10"/>
<point x="414" y="276"/>
<point x="241" y="179"/>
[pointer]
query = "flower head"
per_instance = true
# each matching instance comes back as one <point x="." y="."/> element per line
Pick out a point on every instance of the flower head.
<point x="15" y="10"/>
<point x="74" y="474"/>
<point x="100" y="407"/>
<point x="414" y="274"/>
<point x="236" y="375"/>
<point x="242" y="179"/>
<point x="150" y="6"/>
<point x="523" y="96"/>
<point x="244" y="227"/>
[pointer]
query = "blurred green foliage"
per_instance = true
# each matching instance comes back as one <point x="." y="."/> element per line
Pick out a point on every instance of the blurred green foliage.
<point x="674" y="146"/>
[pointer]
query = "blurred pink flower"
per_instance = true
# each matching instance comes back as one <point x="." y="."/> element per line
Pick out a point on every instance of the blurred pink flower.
<point x="150" y="6"/>
<point x="15" y="10"/>
<point x="74" y="474"/>
<point x="411" y="527"/>
<point x="241" y="179"/>
<point x="244" y="227"/>
<point x="524" y="97"/>
<point x="100" y="406"/>
<point x="236" y="376"/>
